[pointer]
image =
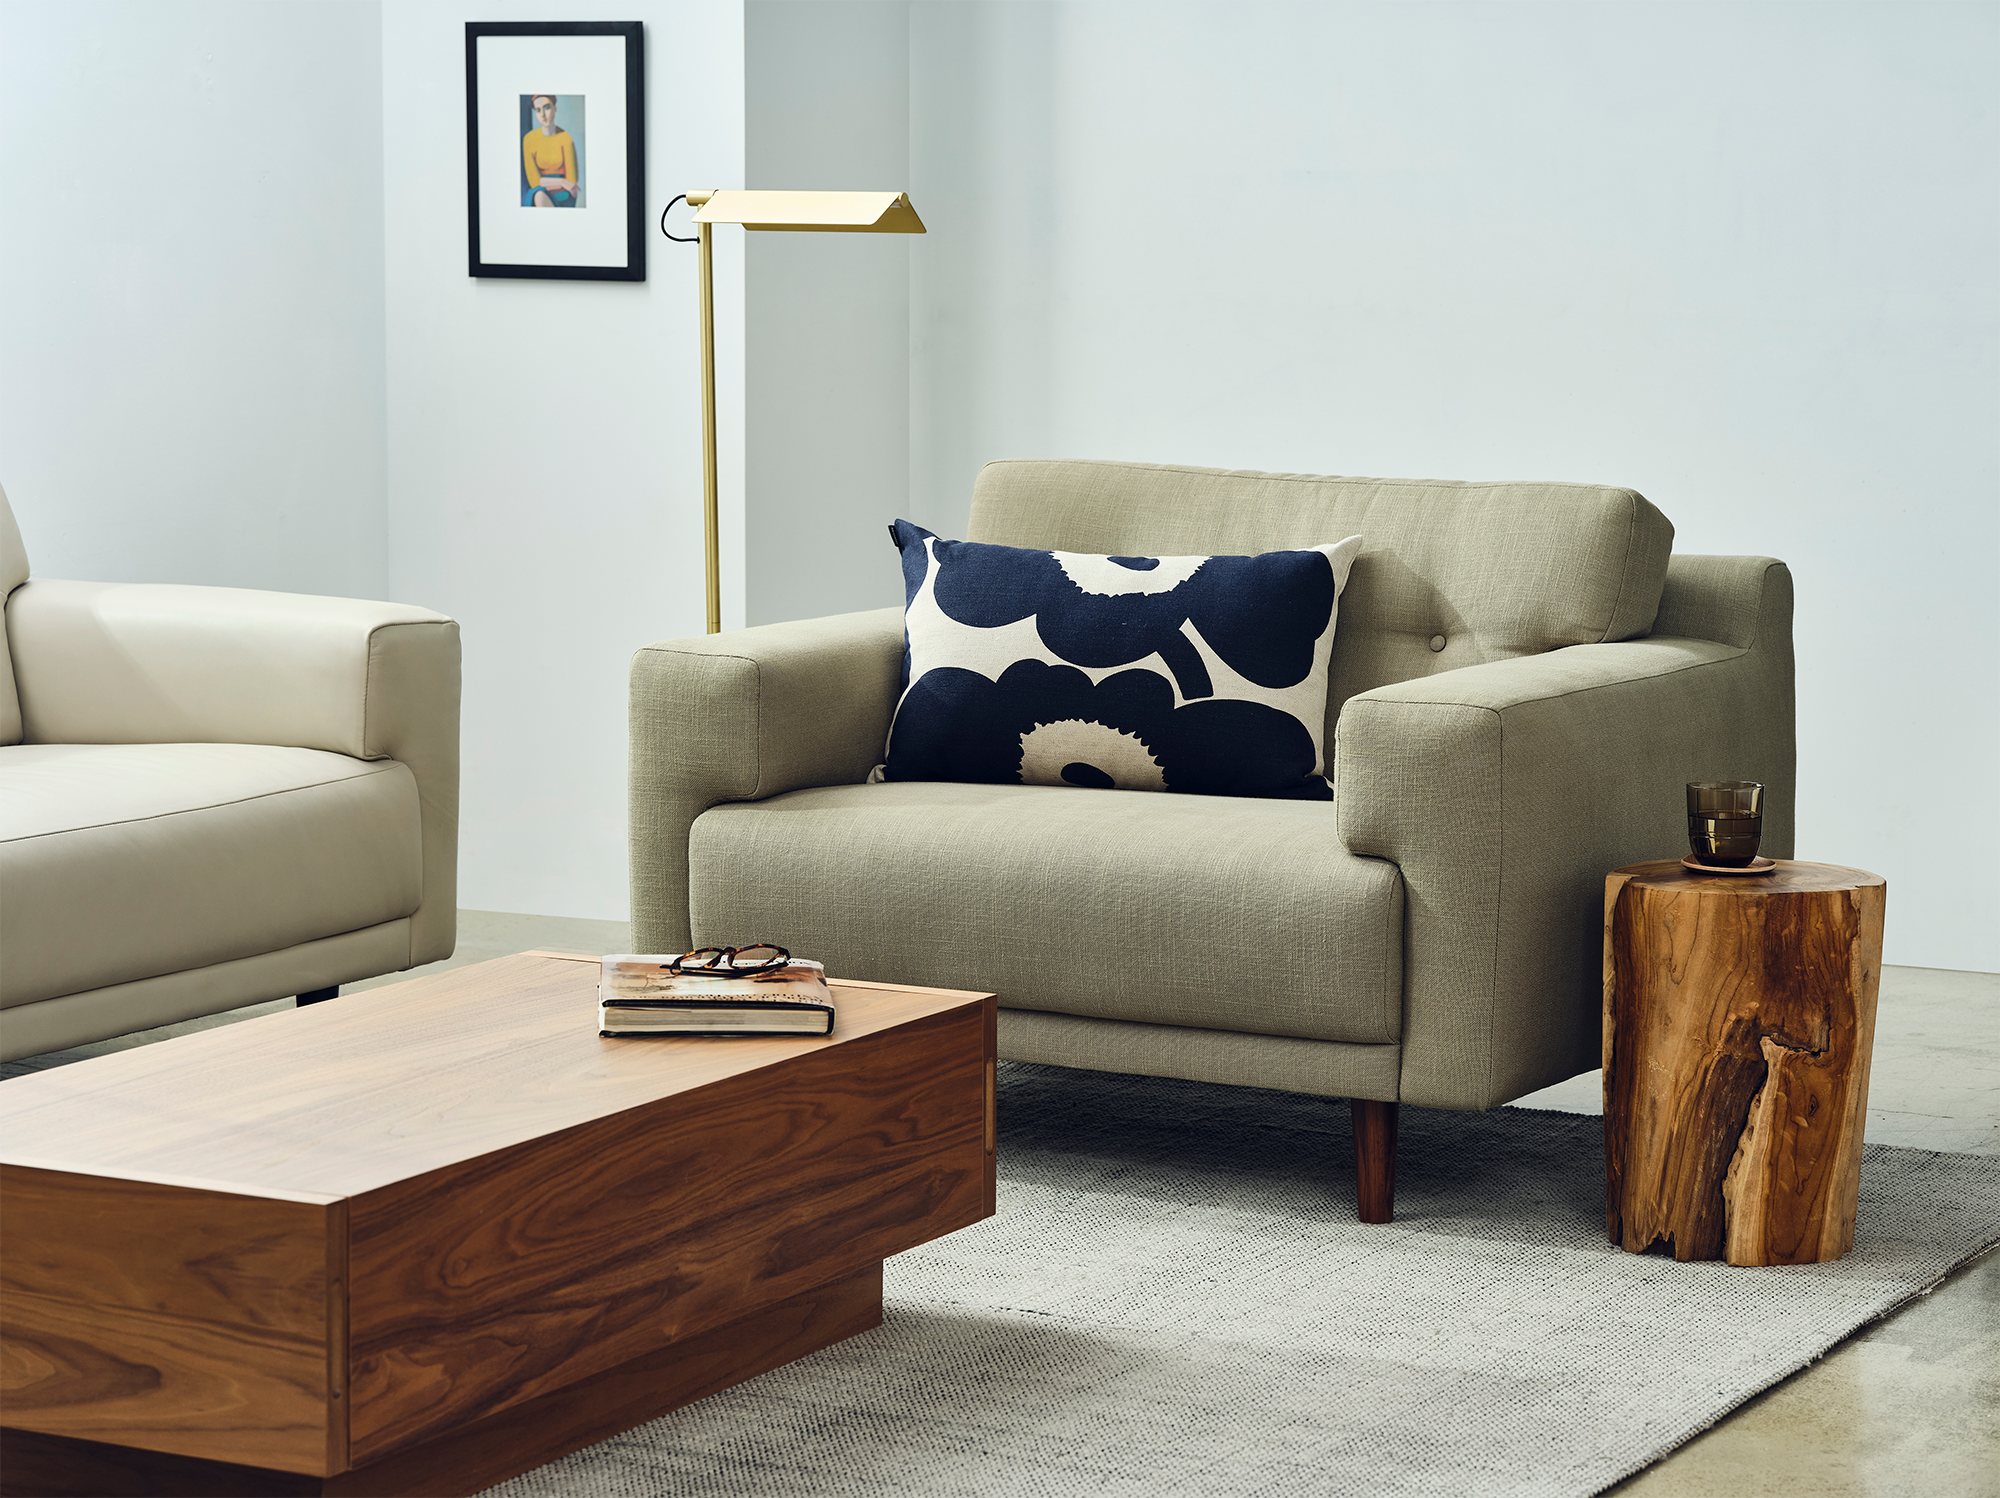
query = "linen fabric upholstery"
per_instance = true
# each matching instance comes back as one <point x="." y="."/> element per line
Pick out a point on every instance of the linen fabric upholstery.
<point x="1496" y="569"/>
<point x="1211" y="912"/>
<point x="1504" y="793"/>
<point x="1719" y="598"/>
<point x="13" y="572"/>
<point x="128" y="861"/>
<point x="739" y="717"/>
<point x="1323" y="1067"/>
<point x="1202" y="674"/>
<point x="1450" y="775"/>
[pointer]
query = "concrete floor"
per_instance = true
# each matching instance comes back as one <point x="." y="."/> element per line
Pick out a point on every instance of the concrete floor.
<point x="1910" y="1407"/>
<point x="1907" y="1408"/>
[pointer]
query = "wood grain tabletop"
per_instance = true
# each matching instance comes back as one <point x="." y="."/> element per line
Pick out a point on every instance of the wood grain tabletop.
<point x="346" y="1097"/>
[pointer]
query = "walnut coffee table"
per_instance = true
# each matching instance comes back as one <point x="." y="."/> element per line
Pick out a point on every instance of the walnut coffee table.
<point x="427" y="1237"/>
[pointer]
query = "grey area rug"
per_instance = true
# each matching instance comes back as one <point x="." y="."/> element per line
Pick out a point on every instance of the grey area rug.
<point x="1175" y="1298"/>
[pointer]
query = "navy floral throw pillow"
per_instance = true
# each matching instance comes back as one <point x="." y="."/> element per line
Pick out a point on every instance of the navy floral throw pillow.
<point x="1193" y="674"/>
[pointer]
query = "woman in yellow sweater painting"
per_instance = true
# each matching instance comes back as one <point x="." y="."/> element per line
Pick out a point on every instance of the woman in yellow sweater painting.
<point x="548" y="160"/>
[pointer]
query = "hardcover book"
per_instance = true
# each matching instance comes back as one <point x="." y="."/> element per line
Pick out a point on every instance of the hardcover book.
<point x="642" y="995"/>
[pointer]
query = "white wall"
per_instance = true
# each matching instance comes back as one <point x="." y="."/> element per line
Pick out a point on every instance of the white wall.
<point x="827" y="315"/>
<point x="191" y="369"/>
<point x="558" y="559"/>
<point x="1739" y="257"/>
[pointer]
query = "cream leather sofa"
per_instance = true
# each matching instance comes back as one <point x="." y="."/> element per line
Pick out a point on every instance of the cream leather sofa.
<point x="213" y="796"/>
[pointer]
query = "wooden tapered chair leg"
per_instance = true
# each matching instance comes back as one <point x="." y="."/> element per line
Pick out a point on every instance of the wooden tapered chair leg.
<point x="1374" y="1158"/>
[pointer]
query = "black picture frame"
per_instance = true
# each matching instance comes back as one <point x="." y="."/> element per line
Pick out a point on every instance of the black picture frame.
<point x="634" y="129"/>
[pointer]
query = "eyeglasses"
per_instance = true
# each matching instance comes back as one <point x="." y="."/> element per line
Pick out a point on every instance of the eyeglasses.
<point x="760" y="957"/>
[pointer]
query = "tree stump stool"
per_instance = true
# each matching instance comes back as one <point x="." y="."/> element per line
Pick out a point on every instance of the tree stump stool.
<point x="1739" y="1014"/>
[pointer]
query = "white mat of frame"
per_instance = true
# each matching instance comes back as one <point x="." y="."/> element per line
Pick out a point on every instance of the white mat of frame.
<point x="1175" y="1298"/>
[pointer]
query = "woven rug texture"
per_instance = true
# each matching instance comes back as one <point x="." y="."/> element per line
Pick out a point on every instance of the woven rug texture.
<point x="1175" y="1298"/>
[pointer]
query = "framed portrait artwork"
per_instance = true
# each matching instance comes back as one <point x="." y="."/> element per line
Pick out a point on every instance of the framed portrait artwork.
<point x="555" y="149"/>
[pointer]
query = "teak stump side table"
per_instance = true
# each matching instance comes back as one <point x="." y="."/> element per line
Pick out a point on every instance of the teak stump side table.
<point x="1739" y="1014"/>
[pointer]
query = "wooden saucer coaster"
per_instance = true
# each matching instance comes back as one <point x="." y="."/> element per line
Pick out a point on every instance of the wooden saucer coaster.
<point x="1755" y="866"/>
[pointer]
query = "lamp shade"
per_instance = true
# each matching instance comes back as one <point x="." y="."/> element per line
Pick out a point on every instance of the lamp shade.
<point x="813" y="212"/>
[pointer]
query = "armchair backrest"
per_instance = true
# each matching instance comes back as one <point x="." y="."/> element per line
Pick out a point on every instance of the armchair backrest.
<point x="13" y="572"/>
<point x="1495" y="570"/>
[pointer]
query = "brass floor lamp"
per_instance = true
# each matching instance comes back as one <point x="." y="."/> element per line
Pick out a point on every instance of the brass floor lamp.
<point x="794" y="212"/>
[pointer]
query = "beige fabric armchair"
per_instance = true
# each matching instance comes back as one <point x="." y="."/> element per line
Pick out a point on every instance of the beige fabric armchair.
<point x="1521" y="682"/>
<point x="214" y="796"/>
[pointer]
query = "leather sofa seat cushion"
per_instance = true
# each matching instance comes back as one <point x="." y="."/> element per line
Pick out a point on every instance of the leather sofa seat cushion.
<point x="1216" y="913"/>
<point x="126" y="861"/>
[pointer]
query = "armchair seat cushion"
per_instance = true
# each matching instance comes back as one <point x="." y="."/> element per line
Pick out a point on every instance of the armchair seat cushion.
<point x="125" y="861"/>
<point x="1214" y="913"/>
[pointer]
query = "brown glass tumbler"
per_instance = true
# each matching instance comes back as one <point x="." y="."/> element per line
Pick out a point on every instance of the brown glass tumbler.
<point x="1725" y="821"/>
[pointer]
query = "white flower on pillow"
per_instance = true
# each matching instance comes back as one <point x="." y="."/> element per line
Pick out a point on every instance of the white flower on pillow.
<point x="1110" y="577"/>
<point x="1069" y="751"/>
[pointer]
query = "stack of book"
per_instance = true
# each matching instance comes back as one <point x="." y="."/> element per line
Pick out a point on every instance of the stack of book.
<point x="641" y="995"/>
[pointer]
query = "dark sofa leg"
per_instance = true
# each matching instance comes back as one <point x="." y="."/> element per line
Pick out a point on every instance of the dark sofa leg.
<point x="319" y="996"/>
<point x="1375" y="1158"/>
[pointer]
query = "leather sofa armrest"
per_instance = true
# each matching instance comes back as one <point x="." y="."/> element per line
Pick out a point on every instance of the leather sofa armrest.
<point x="1505" y="793"/>
<point x="741" y="716"/>
<point x="128" y="663"/>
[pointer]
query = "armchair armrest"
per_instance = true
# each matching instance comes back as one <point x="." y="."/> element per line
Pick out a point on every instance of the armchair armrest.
<point x="1505" y="792"/>
<point x="118" y="663"/>
<point x="741" y="716"/>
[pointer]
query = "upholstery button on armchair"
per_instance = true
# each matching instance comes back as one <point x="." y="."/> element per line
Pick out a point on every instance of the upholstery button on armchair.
<point x="1522" y="680"/>
<point x="214" y="796"/>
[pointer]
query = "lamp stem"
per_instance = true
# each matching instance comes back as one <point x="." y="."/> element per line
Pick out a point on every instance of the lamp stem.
<point x="710" y="522"/>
